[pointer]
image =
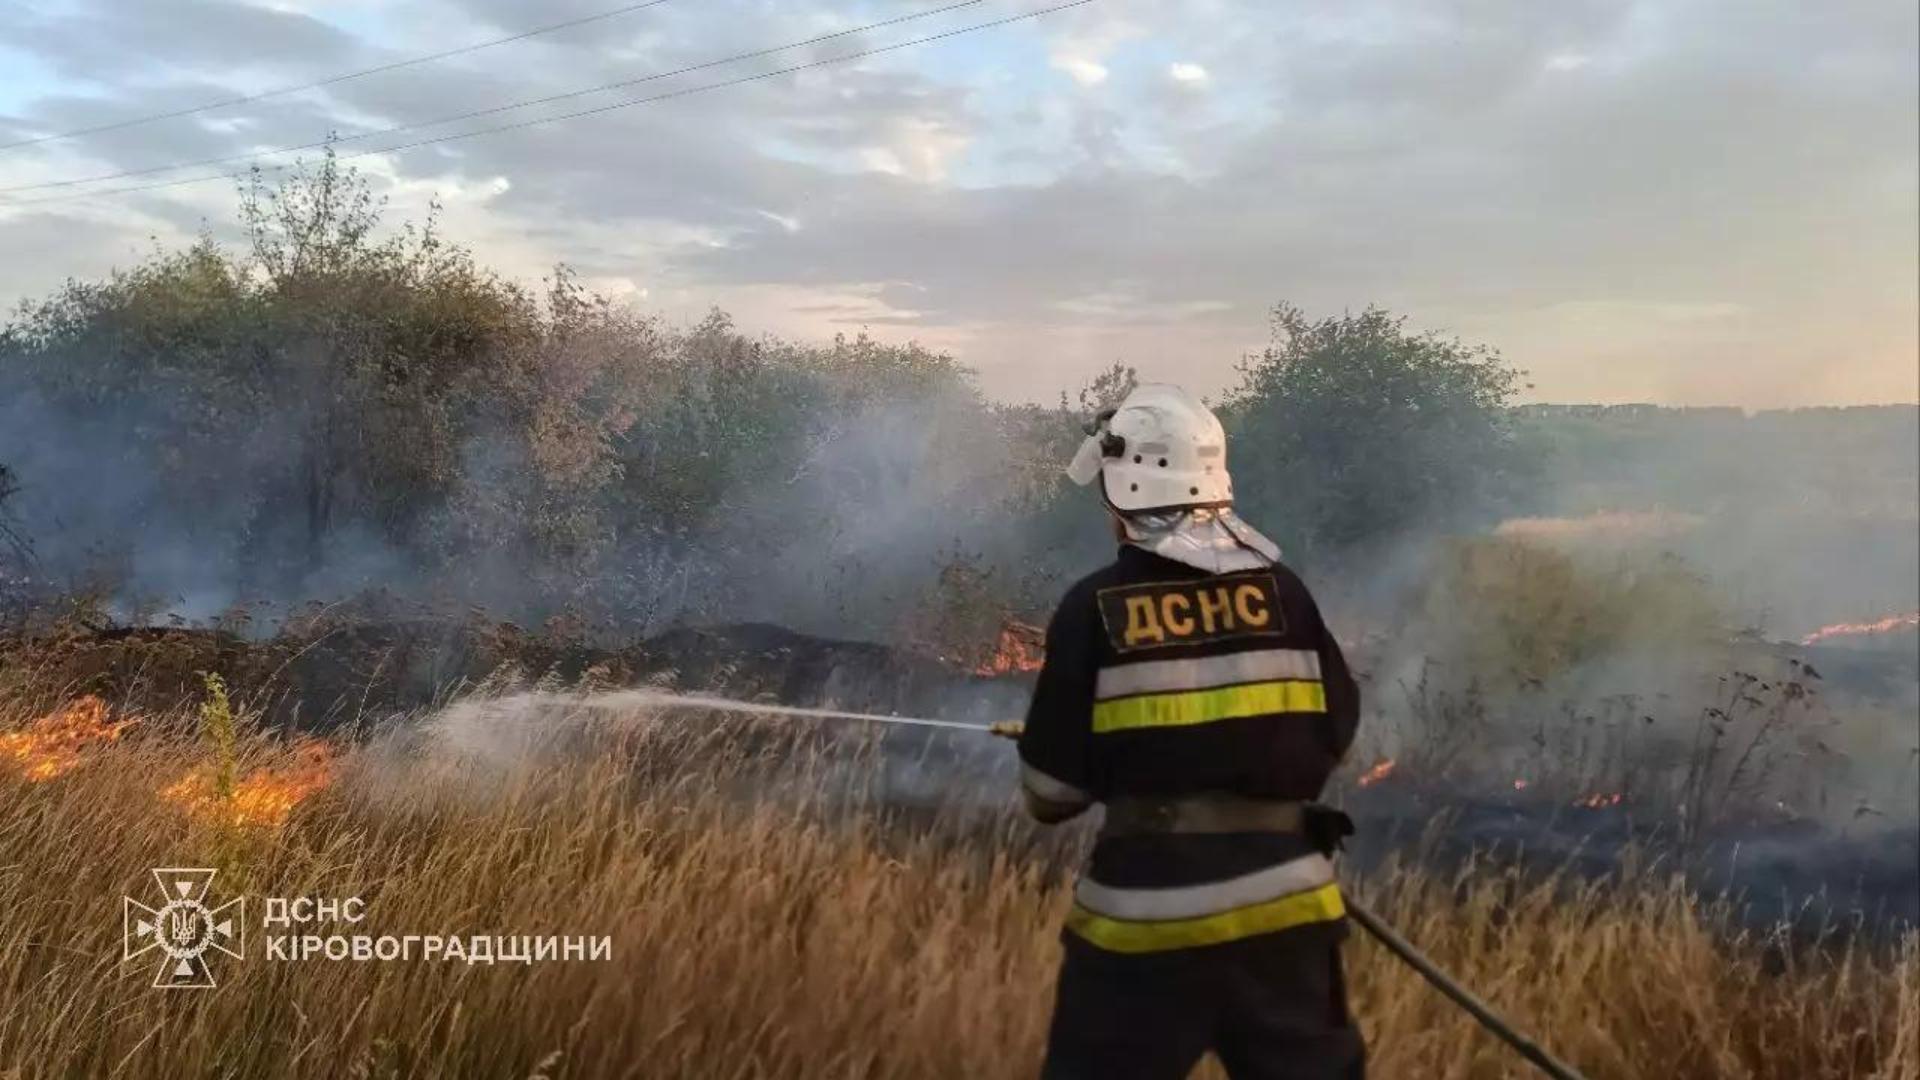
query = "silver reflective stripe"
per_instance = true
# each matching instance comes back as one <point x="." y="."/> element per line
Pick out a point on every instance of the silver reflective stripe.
<point x="1050" y="788"/>
<point x="1172" y="676"/>
<point x="1193" y="901"/>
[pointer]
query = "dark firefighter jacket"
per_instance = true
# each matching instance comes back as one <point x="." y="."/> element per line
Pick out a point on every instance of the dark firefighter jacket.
<point x="1164" y="680"/>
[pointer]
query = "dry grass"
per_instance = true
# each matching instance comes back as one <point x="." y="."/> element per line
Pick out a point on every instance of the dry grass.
<point x="763" y="927"/>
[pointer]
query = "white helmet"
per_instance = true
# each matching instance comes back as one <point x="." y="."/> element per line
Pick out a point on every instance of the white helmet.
<point x="1160" y="450"/>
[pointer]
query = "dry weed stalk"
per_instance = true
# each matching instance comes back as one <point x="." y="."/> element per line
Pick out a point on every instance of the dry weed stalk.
<point x="767" y="923"/>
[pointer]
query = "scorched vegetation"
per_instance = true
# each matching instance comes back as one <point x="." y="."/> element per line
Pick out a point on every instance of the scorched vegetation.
<point x="768" y="920"/>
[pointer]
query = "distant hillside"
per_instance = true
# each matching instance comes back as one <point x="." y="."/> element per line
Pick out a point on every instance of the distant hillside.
<point x="1810" y="515"/>
<point x="1857" y="456"/>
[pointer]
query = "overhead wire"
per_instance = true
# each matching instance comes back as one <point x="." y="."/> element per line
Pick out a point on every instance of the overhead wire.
<point x="539" y="121"/>
<point x="332" y="80"/>
<point x="495" y="110"/>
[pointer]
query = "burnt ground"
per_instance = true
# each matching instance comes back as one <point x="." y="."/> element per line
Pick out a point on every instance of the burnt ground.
<point x="318" y="677"/>
<point x="1821" y="881"/>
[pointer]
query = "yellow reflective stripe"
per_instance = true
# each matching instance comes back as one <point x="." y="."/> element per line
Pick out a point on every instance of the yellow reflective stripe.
<point x="1207" y="706"/>
<point x="1123" y="936"/>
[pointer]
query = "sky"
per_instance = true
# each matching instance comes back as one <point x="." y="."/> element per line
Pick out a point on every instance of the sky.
<point x="1685" y="201"/>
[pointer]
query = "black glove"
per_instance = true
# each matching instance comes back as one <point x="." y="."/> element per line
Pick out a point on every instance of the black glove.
<point x="1327" y="827"/>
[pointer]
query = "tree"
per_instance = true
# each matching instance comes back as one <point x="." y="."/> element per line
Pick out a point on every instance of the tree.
<point x="390" y="342"/>
<point x="1350" y="430"/>
<point x="13" y="546"/>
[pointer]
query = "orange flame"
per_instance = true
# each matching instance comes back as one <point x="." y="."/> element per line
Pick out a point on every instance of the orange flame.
<point x="1600" y="801"/>
<point x="58" y="742"/>
<point x="1022" y="647"/>
<point x="265" y="796"/>
<point x="1380" y="771"/>
<point x="1858" y="629"/>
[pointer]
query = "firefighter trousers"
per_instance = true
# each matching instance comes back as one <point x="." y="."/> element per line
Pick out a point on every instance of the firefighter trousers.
<point x="1271" y="1008"/>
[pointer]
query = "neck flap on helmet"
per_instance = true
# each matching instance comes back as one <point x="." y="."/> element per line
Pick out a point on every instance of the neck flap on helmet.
<point x="1213" y="539"/>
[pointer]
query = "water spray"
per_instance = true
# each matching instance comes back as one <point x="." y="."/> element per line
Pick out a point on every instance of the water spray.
<point x="642" y="699"/>
<point x="1011" y="729"/>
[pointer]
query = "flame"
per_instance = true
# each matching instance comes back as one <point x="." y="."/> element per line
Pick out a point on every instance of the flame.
<point x="1022" y="647"/>
<point x="1380" y="771"/>
<point x="1519" y="784"/>
<point x="58" y="742"/>
<point x="1600" y="801"/>
<point x="1856" y="629"/>
<point x="264" y="796"/>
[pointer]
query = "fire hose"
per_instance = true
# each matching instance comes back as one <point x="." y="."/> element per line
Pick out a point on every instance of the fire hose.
<point x="1389" y="938"/>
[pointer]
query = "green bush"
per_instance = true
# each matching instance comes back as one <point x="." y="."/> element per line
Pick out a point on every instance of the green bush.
<point x="343" y="407"/>
<point x="1508" y="613"/>
<point x="1351" y="430"/>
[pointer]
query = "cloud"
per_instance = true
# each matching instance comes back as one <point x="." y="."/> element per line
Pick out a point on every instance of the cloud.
<point x="101" y="43"/>
<point x="1081" y="70"/>
<point x="1187" y="74"/>
<point x="1701" y="200"/>
<point x="919" y="149"/>
<point x="1083" y="50"/>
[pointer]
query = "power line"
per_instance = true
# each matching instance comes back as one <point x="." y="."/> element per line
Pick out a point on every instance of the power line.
<point x="252" y="155"/>
<point x="861" y="54"/>
<point x="331" y="80"/>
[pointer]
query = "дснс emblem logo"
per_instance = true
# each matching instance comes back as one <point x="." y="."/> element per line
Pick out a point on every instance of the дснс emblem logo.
<point x="183" y="928"/>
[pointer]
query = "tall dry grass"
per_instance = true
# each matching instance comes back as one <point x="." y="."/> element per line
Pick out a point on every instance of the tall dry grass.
<point x="769" y="921"/>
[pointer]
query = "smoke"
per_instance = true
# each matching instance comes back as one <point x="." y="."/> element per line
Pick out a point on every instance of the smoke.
<point x="156" y="527"/>
<point x="1798" y="517"/>
<point x="483" y="747"/>
<point x="831" y="507"/>
<point x="1558" y="661"/>
<point x="632" y="478"/>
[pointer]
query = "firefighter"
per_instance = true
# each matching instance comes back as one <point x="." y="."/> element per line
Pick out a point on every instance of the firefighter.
<point x="1192" y="689"/>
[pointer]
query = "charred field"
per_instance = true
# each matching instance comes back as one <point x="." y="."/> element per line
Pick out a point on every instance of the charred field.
<point x="1815" y="875"/>
<point x="789" y="898"/>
